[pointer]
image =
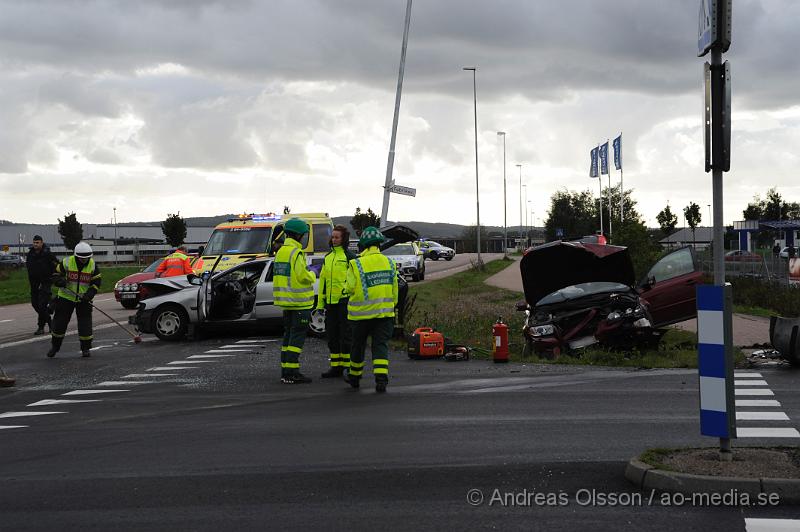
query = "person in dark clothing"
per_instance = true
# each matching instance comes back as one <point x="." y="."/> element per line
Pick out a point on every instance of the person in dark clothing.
<point x="776" y="250"/>
<point x="41" y="264"/>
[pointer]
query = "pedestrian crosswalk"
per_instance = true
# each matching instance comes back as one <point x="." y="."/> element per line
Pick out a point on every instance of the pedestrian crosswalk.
<point x="759" y="418"/>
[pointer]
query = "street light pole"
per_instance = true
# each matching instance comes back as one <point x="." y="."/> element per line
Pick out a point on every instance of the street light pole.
<point x="477" y="191"/>
<point x="520" y="203"/>
<point x="115" y="235"/>
<point x="505" y="201"/>
<point x="526" y="214"/>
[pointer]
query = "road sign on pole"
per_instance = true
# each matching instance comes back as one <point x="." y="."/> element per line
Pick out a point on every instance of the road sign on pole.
<point x="405" y="191"/>
<point x="714" y="26"/>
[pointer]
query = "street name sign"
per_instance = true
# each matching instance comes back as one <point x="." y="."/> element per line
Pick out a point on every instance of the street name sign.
<point x="405" y="191"/>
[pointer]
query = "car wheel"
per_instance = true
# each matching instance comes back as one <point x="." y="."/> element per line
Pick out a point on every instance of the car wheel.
<point x="434" y="255"/>
<point x="421" y="276"/>
<point x="129" y="304"/>
<point x="170" y="323"/>
<point x="316" y="324"/>
<point x="448" y="258"/>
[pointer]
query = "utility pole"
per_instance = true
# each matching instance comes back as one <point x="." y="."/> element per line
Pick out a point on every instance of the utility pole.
<point x="520" y="204"/>
<point x="505" y="201"/>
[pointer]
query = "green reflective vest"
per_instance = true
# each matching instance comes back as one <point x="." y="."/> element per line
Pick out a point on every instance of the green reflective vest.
<point x="78" y="279"/>
<point x="333" y="277"/>
<point x="372" y="285"/>
<point x="292" y="282"/>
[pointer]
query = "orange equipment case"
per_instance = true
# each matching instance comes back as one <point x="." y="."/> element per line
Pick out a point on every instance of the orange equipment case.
<point x="425" y="342"/>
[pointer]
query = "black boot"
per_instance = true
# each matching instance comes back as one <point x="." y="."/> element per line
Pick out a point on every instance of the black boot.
<point x="380" y="387"/>
<point x="353" y="381"/>
<point x="39" y="331"/>
<point x="333" y="373"/>
<point x="86" y="353"/>
<point x="52" y="352"/>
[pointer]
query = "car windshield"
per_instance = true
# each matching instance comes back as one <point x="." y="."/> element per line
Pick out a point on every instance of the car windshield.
<point x="153" y="266"/>
<point x="581" y="290"/>
<point x="238" y="240"/>
<point x="400" y="249"/>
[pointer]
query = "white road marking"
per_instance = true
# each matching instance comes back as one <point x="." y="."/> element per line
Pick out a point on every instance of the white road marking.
<point x="753" y="524"/>
<point x="147" y="375"/>
<point x="13" y="427"/>
<point x="106" y="299"/>
<point x="750" y="383"/>
<point x="766" y="432"/>
<point x="169" y="368"/>
<point x="47" y="402"/>
<point x="123" y="383"/>
<point x="757" y="402"/>
<point x="5" y="321"/>
<point x="229" y="351"/>
<point x="210" y="356"/>
<point x="179" y="362"/>
<point x="763" y="416"/>
<point x="237" y="347"/>
<point x="746" y="374"/>
<point x="254" y="341"/>
<point x="99" y="347"/>
<point x="90" y="392"/>
<point x="752" y="391"/>
<point x="26" y="414"/>
<point x="47" y="336"/>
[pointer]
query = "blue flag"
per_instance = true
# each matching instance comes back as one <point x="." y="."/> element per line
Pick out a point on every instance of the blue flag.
<point x="604" y="158"/>
<point x="618" y="152"/>
<point x="593" y="167"/>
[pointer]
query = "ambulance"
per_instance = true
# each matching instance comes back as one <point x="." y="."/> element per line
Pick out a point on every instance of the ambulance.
<point x="249" y="236"/>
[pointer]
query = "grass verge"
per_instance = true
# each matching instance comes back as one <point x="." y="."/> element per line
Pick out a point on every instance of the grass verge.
<point x="14" y="286"/>
<point x="463" y="308"/>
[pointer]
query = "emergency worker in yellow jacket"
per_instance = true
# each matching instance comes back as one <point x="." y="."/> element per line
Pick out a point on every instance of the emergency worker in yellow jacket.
<point x="372" y="285"/>
<point x="293" y="289"/>
<point x="78" y="280"/>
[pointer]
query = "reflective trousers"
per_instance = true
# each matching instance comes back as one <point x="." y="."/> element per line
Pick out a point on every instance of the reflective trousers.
<point x="380" y="329"/>
<point x="63" y="313"/>
<point x="337" y="329"/>
<point x="295" y="327"/>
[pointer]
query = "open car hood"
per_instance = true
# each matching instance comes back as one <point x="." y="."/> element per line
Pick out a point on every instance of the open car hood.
<point x="397" y="234"/>
<point x="558" y="264"/>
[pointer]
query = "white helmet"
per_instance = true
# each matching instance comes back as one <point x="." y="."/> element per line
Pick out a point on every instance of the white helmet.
<point x="83" y="250"/>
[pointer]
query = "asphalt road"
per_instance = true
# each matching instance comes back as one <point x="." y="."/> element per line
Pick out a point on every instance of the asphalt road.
<point x="201" y="436"/>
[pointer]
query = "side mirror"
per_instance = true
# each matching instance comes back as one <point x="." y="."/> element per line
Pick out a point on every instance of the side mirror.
<point x="649" y="282"/>
<point x="193" y="279"/>
<point x="200" y="251"/>
<point x="522" y="306"/>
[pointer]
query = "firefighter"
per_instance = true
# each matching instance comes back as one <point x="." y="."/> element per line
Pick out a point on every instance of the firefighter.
<point x="177" y="263"/>
<point x="372" y="285"/>
<point x="293" y="289"/>
<point x="333" y="298"/>
<point x="78" y="280"/>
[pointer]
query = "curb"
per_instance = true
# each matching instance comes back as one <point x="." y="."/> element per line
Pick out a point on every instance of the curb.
<point x="646" y="477"/>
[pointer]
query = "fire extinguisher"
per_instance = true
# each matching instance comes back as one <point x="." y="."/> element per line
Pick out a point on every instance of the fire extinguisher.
<point x="500" y="344"/>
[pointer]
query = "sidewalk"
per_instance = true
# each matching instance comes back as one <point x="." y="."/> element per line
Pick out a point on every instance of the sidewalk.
<point x="747" y="330"/>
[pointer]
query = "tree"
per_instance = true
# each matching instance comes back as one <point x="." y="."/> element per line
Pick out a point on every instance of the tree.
<point x="643" y="250"/>
<point x="362" y="220"/>
<point x="174" y="229"/>
<point x="667" y="220"/>
<point x="470" y="238"/>
<point x="571" y="215"/>
<point x="71" y="230"/>
<point x="693" y="216"/>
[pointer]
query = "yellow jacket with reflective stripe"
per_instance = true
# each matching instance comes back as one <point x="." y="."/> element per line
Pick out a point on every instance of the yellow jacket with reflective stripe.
<point x="372" y="285"/>
<point x="78" y="279"/>
<point x="333" y="277"/>
<point x="292" y="282"/>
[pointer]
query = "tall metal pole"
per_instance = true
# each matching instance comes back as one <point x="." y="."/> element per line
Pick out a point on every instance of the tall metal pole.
<point x="719" y="235"/>
<point x="520" y="203"/>
<point x="600" y="199"/>
<point x="621" y="185"/>
<point x="505" y="201"/>
<point x="390" y="163"/>
<point x="115" y="235"/>
<point x="477" y="192"/>
<point x="610" y="215"/>
<point x="525" y="186"/>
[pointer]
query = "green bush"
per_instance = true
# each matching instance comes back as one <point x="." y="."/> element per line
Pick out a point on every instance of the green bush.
<point x="774" y="296"/>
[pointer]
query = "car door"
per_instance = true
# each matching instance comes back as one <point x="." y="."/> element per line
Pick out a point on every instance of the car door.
<point x="671" y="297"/>
<point x="265" y="299"/>
<point x="204" y="300"/>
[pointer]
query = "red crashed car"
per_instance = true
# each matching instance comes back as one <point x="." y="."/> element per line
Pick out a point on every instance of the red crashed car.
<point x="578" y="294"/>
<point x="129" y="290"/>
<point x="740" y="255"/>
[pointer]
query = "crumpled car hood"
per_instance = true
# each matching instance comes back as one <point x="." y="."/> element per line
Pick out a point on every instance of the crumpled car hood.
<point x="178" y="282"/>
<point x="558" y="264"/>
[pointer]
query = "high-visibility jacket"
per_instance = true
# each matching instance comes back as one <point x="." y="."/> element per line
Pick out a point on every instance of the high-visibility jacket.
<point x="79" y="280"/>
<point x="174" y="264"/>
<point x="333" y="276"/>
<point x="292" y="282"/>
<point x="372" y="285"/>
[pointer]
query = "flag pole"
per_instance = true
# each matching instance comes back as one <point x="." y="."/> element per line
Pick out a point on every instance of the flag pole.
<point x="621" y="186"/>
<point x="610" y="203"/>
<point x="600" y="181"/>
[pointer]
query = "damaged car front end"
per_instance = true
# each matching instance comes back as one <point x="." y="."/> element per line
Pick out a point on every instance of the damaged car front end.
<point x="579" y="294"/>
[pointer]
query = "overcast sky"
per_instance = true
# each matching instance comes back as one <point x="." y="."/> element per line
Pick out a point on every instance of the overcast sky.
<point x="209" y="107"/>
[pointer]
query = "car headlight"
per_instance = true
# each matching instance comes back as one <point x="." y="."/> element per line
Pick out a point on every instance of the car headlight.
<point x="543" y="330"/>
<point x="614" y="316"/>
<point x="133" y="287"/>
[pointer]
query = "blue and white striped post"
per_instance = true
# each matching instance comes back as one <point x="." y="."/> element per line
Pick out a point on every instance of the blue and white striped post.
<point x="715" y="362"/>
